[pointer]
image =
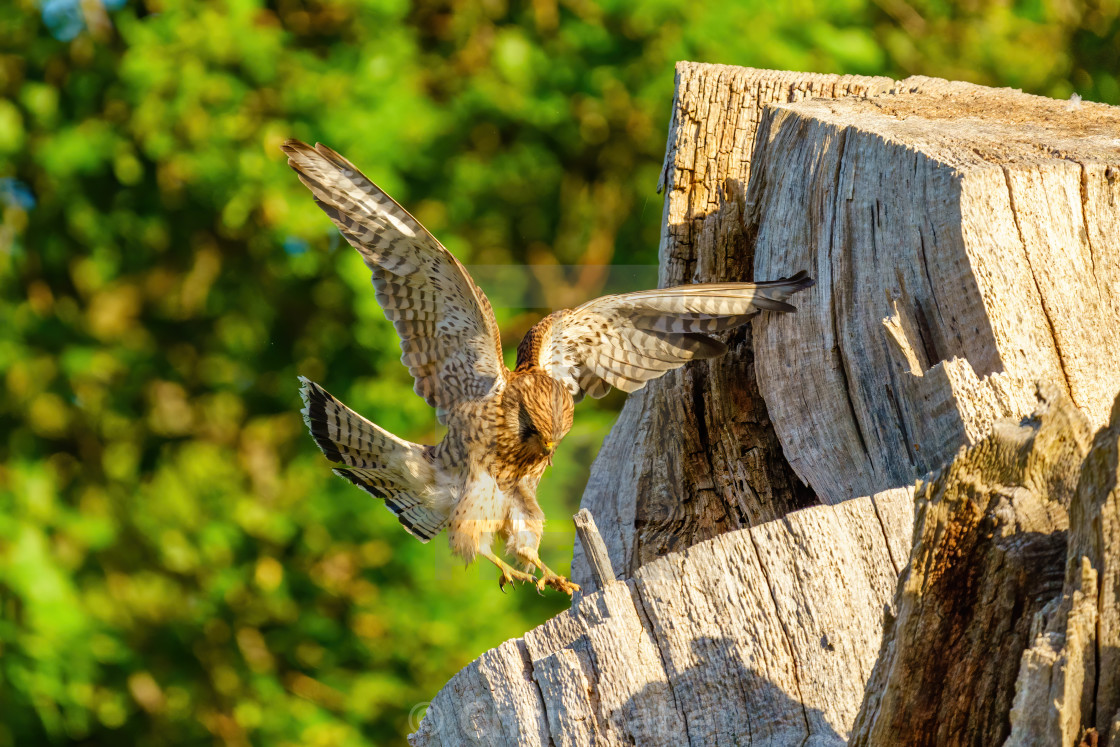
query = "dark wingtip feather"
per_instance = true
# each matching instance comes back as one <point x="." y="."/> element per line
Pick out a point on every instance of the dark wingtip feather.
<point x="773" y="304"/>
<point x="333" y="156"/>
<point x="299" y="153"/>
<point x="700" y="345"/>
<point x="357" y="480"/>
<point x="706" y="347"/>
<point x="419" y="531"/>
<point x="784" y="287"/>
<point x="799" y="281"/>
<point x="296" y="149"/>
<point x="314" y="411"/>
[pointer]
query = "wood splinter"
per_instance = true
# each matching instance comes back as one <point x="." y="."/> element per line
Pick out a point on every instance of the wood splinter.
<point x="594" y="547"/>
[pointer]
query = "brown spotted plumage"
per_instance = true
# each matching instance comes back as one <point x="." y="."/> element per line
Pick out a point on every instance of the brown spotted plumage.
<point x="502" y="426"/>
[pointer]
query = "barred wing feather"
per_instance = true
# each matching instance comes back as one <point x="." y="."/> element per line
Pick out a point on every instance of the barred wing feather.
<point x="449" y="338"/>
<point x="398" y="472"/>
<point x="626" y="340"/>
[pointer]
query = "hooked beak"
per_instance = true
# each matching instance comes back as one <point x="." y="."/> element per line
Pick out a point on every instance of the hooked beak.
<point x="549" y="447"/>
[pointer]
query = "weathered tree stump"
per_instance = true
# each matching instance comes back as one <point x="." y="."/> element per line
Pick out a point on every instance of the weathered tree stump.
<point x="989" y="555"/>
<point x="1006" y="630"/>
<point x="693" y="454"/>
<point x="966" y="243"/>
<point x="1069" y="680"/>
<point x="768" y="632"/>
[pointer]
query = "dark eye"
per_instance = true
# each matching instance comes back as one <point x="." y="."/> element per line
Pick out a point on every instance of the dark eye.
<point x="525" y="424"/>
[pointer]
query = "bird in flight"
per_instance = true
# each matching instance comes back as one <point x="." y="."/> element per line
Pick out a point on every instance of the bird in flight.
<point x="480" y="482"/>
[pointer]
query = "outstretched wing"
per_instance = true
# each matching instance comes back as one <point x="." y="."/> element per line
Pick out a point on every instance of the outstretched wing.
<point x="625" y="340"/>
<point x="386" y="467"/>
<point x="449" y="339"/>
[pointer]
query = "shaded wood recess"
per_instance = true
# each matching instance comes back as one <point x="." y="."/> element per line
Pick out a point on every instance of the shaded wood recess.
<point x="891" y="518"/>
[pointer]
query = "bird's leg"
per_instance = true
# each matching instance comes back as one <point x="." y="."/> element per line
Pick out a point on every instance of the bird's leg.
<point x="548" y="576"/>
<point x="509" y="573"/>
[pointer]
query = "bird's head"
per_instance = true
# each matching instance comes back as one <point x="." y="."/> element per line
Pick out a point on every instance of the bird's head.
<point x="540" y="409"/>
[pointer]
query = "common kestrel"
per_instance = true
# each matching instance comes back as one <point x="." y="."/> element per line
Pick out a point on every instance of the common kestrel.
<point x="503" y="426"/>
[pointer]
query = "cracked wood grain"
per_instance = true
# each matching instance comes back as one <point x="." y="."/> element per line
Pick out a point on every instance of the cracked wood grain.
<point x="989" y="554"/>
<point x="593" y="548"/>
<point x="676" y="470"/>
<point x="1069" y="680"/>
<point x="757" y="637"/>
<point x="1002" y="629"/>
<point x="927" y="214"/>
<point x="1005" y="629"/>
<point x="964" y="240"/>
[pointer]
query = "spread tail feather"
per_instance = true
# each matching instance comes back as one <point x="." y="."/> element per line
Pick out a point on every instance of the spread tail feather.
<point x="383" y="465"/>
<point x="421" y="520"/>
<point x="345" y="436"/>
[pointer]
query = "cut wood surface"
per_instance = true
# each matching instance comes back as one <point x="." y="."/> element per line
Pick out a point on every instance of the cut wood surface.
<point x="759" y="636"/>
<point x="966" y="243"/>
<point x="694" y="454"/>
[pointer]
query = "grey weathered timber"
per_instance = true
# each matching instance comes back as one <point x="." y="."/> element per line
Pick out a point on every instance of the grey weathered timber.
<point x="762" y="636"/>
<point x="694" y="454"/>
<point x="1001" y="628"/>
<point x="1069" y="679"/>
<point x="1005" y="631"/>
<point x="965" y="244"/>
<point x="593" y="549"/>
<point x="989" y="553"/>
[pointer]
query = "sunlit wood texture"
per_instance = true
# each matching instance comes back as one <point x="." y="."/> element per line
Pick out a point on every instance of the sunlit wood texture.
<point x="694" y="455"/>
<point x="966" y="243"/>
<point x="985" y="576"/>
<point x="1007" y="621"/>
<point x="759" y="636"/>
<point x="1005" y="624"/>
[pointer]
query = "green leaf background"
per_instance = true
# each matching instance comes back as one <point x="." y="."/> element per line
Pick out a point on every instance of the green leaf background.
<point x="177" y="564"/>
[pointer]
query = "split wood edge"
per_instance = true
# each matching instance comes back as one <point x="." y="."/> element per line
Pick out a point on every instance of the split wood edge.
<point x="594" y="548"/>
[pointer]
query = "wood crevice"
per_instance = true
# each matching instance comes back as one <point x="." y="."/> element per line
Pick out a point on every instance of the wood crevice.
<point x="785" y="631"/>
<point x="1037" y="286"/>
<point x="636" y="593"/>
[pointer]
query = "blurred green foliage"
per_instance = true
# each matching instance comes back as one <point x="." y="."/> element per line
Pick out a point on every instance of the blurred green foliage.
<point x="177" y="564"/>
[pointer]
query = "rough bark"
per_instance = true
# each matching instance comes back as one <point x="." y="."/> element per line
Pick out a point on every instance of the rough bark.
<point x="594" y="549"/>
<point x="1002" y="627"/>
<point x="989" y="553"/>
<point x="694" y="454"/>
<point x="964" y="240"/>
<point x="1069" y="680"/>
<point x="759" y="636"/>
<point x="1006" y="630"/>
